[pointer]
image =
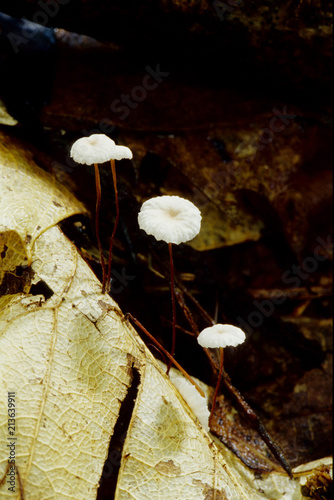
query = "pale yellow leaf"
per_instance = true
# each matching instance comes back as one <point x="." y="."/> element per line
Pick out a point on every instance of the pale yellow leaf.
<point x="5" y="117"/>
<point x="31" y="200"/>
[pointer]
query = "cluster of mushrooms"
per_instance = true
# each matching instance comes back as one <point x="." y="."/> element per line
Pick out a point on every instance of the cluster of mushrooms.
<point x="171" y="219"/>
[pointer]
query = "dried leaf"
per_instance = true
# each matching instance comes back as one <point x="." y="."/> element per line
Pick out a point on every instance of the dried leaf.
<point x="31" y="201"/>
<point x="5" y="117"/>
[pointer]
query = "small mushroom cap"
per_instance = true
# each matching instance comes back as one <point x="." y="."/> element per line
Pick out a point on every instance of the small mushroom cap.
<point x="193" y="398"/>
<point x="221" y="336"/>
<point x="98" y="148"/>
<point x="121" y="152"/>
<point x="170" y="218"/>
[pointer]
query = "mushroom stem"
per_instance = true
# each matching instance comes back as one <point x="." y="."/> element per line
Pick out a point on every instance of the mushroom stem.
<point x="186" y="311"/>
<point x="97" y="226"/>
<point x="169" y="356"/>
<point x="221" y="364"/>
<point x="197" y="304"/>
<point x="257" y="424"/>
<point x="172" y="291"/>
<point x="113" y="171"/>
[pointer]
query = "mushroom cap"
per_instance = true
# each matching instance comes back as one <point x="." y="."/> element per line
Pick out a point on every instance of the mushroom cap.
<point x="193" y="398"/>
<point x="221" y="336"/>
<point x="121" y="152"/>
<point x="170" y="218"/>
<point x="98" y="148"/>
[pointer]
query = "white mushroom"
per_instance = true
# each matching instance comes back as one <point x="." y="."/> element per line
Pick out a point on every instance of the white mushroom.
<point x="92" y="150"/>
<point x="121" y="153"/>
<point x="98" y="148"/>
<point x="174" y="220"/>
<point x="221" y="336"/>
<point x="170" y="218"/>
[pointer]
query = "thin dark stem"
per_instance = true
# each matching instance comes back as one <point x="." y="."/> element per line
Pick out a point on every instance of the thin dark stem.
<point x="209" y="352"/>
<point x="113" y="171"/>
<point x="257" y="424"/>
<point x="197" y="304"/>
<point x="186" y="311"/>
<point x="152" y="346"/>
<point x="172" y="291"/>
<point x="169" y="356"/>
<point x="221" y="364"/>
<point x="97" y="224"/>
<point x="237" y="396"/>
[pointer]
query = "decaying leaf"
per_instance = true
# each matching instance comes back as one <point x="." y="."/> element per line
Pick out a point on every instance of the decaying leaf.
<point x="69" y="360"/>
<point x="31" y="201"/>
